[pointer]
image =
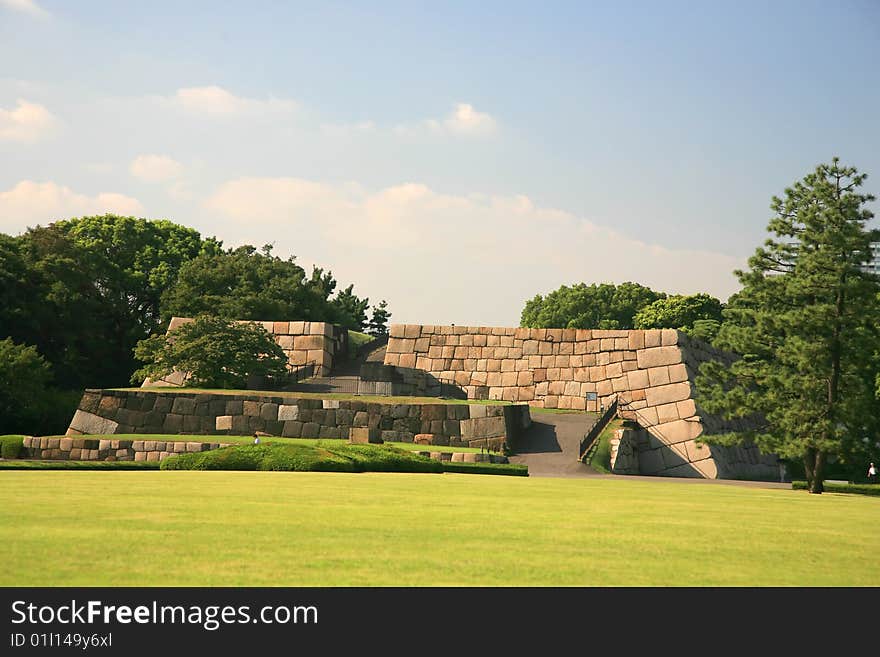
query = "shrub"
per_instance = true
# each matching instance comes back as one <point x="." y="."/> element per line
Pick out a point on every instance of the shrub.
<point x="830" y="487"/>
<point x="302" y="458"/>
<point x="325" y="457"/>
<point x="384" y="458"/>
<point x="514" y="469"/>
<point x="11" y="446"/>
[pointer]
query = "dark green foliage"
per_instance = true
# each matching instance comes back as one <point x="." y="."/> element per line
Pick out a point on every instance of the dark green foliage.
<point x="350" y="311"/>
<point x="24" y="385"/>
<point x="326" y="457"/>
<point x="832" y="487"/>
<point x="11" y="446"/>
<point x="245" y="283"/>
<point x="705" y="329"/>
<point x="85" y="290"/>
<point x="807" y="323"/>
<point x="379" y="320"/>
<point x="22" y="464"/>
<point x="217" y="353"/>
<point x="683" y="313"/>
<point x="384" y="458"/>
<point x="512" y="469"/>
<point x="602" y="306"/>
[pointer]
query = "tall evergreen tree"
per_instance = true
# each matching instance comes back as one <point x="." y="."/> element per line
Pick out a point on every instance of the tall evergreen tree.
<point x="805" y="324"/>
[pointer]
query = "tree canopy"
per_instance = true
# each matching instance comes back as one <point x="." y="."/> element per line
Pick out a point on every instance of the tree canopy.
<point x="806" y="324"/>
<point x="602" y="306"/>
<point x="698" y="315"/>
<point x="213" y="352"/>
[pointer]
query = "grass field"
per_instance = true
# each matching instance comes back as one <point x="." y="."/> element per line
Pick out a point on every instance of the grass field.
<point x="323" y="529"/>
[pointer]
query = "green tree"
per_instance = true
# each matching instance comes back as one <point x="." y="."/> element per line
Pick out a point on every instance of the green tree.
<point x="603" y="306"/>
<point x="213" y="352"/>
<point x="24" y="378"/>
<point x="682" y="312"/>
<point x="379" y="320"/>
<point x="805" y="323"/>
<point x="85" y="290"/>
<point x="245" y="283"/>
<point x="350" y="310"/>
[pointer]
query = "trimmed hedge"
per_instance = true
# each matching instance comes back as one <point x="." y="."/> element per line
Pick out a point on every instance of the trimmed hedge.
<point x="514" y="469"/>
<point x="324" y="457"/>
<point x="22" y="464"/>
<point x="857" y="489"/>
<point x="11" y="446"/>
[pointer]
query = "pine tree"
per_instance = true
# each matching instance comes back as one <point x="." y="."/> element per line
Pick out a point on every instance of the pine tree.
<point x="378" y="325"/>
<point x="806" y="325"/>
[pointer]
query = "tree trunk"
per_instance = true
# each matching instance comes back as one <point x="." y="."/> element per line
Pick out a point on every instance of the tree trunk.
<point x="814" y="466"/>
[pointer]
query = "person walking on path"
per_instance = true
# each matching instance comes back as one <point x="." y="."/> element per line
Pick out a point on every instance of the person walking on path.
<point x="872" y="474"/>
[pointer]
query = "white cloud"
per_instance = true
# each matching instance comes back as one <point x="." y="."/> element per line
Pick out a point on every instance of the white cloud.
<point x="441" y="258"/>
<point x="463" y="121"/>
<point x="213" y="101"/>
<point x="29" y="203"/>
<point x="155" y="168"/>
<point x="27" y="122"/>
<point x="25" y="7"/>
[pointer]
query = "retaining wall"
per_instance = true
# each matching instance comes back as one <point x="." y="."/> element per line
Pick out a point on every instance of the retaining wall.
<point x="178" y="412"/>
<point x="93" y="449"/>
<point x="651" y="372"/>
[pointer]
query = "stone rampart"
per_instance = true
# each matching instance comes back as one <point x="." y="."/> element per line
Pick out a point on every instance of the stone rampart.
<point x="179" y="412"/>
<point x="650" y="372"/>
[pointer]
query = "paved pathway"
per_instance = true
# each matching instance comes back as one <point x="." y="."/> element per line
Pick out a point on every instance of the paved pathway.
<point x="550" y="447"/>
<point x="551" y="450"/>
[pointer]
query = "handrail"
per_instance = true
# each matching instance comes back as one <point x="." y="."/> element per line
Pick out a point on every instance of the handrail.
<point x="594" y="432"/>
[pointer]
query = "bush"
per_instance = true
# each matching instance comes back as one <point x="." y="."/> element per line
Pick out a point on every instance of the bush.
<point x="325" y="457"/>
<point x="514" y="469"/>
<point x="376" y="458"/>
<point x="11" y="446"/>
<point x="299" y="458"/>
<point x="830" y="487"/>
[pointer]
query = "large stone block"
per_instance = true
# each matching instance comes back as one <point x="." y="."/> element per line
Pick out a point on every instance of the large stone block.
<point x="288" y="412"/>
<point x="657" y="356"/>
<point x="677" y="431"/>
<point x="364" y="435"/>
<point x="667" y="413"/>
<point x="672" y="392"/>
<point x="89" y="423"/>
<point x="637" y="379"/>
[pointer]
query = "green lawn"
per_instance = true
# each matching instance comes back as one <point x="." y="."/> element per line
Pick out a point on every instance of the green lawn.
<point x="336" y="529"/>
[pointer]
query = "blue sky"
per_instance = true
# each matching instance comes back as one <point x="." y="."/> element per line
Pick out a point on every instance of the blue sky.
<point x="454" y="158"/>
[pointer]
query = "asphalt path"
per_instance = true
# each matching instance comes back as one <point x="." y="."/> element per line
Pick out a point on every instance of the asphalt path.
<point x="550" y="449"/>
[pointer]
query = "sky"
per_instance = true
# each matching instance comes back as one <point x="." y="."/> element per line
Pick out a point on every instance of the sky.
<point x="453" y="158"/>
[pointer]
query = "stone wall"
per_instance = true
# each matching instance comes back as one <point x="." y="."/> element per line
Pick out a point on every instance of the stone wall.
<point x="178" y="412"/>
<point x="624" y="452"/>
<point x="304" y="343"/>
<point x="93" y="449"/>
<point x="650" y="372"/>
